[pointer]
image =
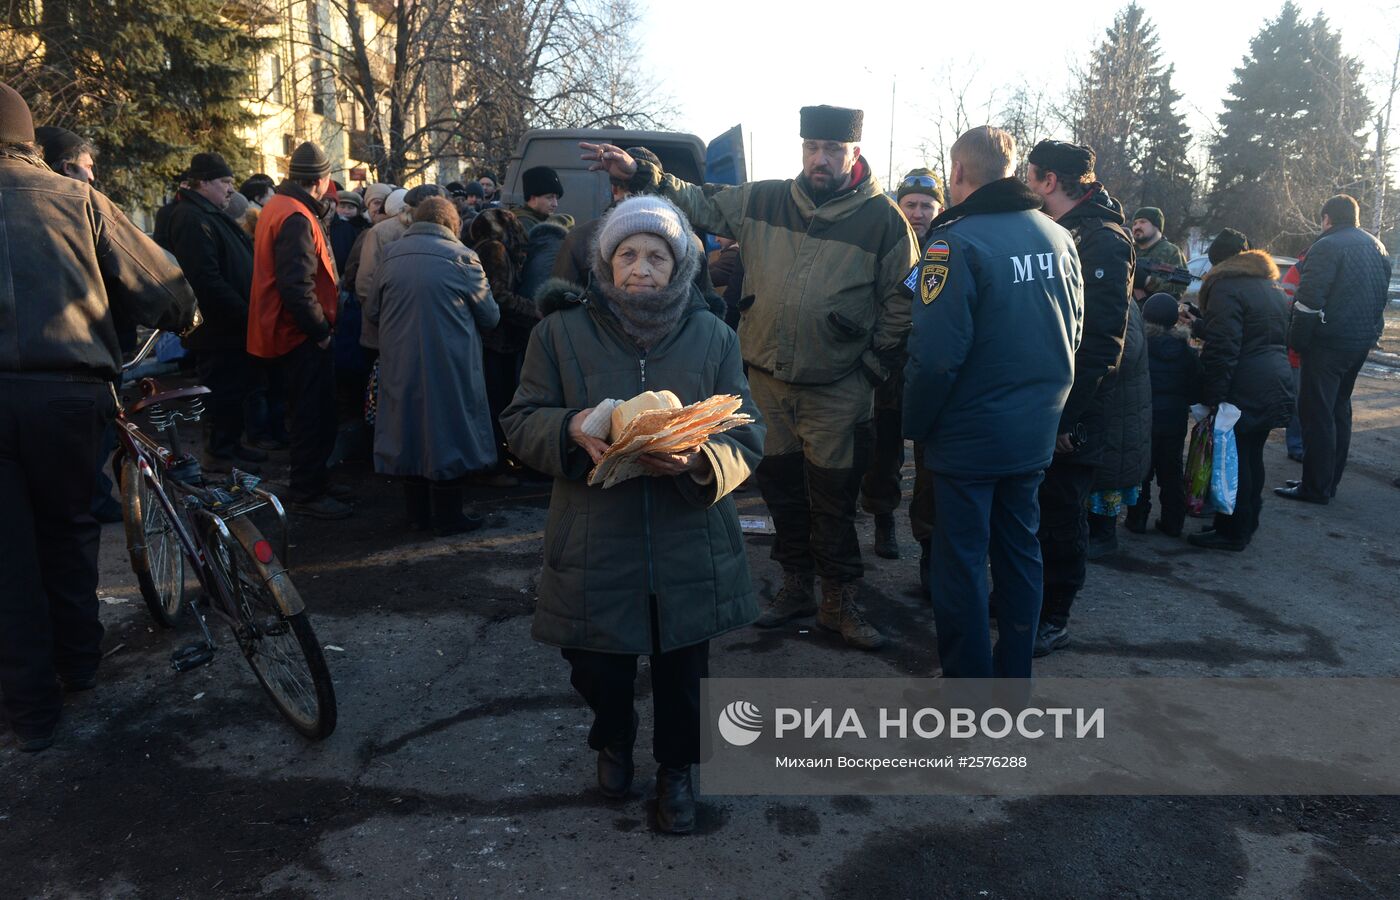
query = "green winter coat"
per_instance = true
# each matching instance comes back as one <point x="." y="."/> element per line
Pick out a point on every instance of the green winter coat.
<point x="827" y="283"/>
<point x="608" y="551"/>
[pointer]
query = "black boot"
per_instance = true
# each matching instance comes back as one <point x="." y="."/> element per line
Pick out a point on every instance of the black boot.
<point x="886" y="546"/>
<point x="615" y="768"/>
<point x="448" y="518"/>
<point x="1103" y="536"/>
<point x="1136" y="520"/>
<point x="675" y="800"/>
<point x="417" y="504"/>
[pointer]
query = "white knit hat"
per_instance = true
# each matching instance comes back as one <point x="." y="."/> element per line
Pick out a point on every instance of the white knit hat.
<point x="395" y="203"/>
<point x="645" y="215"/>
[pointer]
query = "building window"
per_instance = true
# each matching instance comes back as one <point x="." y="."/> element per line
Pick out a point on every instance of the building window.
<point x="273" y="73"/>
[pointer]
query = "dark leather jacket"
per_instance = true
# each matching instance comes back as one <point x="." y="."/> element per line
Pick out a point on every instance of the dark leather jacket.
<point x="69" y="258"/>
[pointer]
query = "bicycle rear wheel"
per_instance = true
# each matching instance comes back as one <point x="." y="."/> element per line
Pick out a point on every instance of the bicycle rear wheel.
<point x="157" y="557"/>
<point x="274" y="632"/>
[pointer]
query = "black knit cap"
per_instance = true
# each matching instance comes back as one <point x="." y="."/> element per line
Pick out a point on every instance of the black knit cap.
<point x="1074" y="160"/>
<point x="16" y="122"/>
<point x="539" y="181"/>
<point x="309" y="161"/>
<point x="208" y="167"/>
<point x="474" y="189"/>
<point x="1160" y="309"/>
<point x="56" y="143"/>
<point x="832" y="123"/>
<point x="1226" y="244"/>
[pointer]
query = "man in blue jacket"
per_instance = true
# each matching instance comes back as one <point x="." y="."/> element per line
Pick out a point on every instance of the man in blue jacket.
<point x="998" y="314"/>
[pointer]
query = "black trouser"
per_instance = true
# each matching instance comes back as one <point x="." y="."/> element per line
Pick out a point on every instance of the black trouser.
<point x="308" y="373"/>
<point x="50" y="432"/>
<point x="921" y="505"/>
<point x="882" y="486"/>
<point x="1325" y="383"/>
<point x="267" y="403"/>
<point x="502" y="377"/>
<point x="228" y="374"/>
<point x="1249" y="496"/>
<point x="1171" y="479"/>
<point x="1064" y="535"/>
<point x="814" y="511"/>
<point x="607" y="681"/>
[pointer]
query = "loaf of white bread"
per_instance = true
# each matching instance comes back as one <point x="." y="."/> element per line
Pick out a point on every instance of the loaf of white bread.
<point x="628" y="410"/>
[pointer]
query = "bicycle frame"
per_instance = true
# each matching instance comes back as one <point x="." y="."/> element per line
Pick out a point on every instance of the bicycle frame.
<point x="152" y="456"/>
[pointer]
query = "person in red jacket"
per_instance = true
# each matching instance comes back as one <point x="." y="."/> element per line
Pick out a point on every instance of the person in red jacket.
<point x="291" y="317"/>
<point x="1294" y="434"/>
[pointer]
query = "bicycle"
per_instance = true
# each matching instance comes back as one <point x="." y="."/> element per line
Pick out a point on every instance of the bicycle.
<point x="175" y="519"/>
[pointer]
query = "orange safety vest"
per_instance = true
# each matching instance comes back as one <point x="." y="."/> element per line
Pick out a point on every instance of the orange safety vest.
<point x="272" y="332"/>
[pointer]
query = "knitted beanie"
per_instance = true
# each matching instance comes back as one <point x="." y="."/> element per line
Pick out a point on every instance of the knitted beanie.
<point x="1226" y="244"/>
<point x="309" y="161"/>
<point x="16" y="122"/>
<point x="920" y="181"/>
<point x="394" y="204"/>
<point x="237" y="206"/>
<point x="1160" y="309"/>
<point x="378" y="191"/>
<point x="539" y="181"/>
<point x="56" y="143"/>
<point x="208" y="167"/>
<point x="645" y="215"/>
<point x="1074" y="160"/>
<point x="1153" y="215"/>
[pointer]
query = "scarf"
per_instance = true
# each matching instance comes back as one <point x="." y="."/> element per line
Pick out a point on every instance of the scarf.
<point x="647" y="317"/>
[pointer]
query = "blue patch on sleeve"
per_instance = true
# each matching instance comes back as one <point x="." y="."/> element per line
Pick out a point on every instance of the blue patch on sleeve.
<point x="912" y="282"/>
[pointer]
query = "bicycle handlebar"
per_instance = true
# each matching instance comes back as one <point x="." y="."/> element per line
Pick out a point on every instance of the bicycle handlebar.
<point x="145" y="350"/>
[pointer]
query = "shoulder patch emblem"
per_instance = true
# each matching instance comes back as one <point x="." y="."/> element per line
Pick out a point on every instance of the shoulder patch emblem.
<point x="936" y="252"/>
<point x="1098" y="273"/>
<point x="931" y="281"/>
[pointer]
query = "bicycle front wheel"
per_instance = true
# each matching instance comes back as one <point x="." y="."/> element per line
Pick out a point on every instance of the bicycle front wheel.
<point x="274" y="633"/>
<point x="157" y="557"/>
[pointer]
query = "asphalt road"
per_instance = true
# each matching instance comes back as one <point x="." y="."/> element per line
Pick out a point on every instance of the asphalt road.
<point x="459" y="768"/>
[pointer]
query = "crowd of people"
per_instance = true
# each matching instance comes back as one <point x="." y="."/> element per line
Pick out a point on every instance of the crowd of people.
<point x="1006" y="328"/>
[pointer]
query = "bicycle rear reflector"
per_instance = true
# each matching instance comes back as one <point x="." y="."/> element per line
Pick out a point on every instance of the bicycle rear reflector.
<point x="263" y="551"/>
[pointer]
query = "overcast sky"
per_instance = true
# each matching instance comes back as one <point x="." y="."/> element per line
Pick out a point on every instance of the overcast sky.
<point x="756" y="63"/>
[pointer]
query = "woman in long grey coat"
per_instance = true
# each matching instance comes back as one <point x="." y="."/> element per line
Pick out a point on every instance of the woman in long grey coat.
<point x="655" y="565"/>
<point x="433" y="426"/>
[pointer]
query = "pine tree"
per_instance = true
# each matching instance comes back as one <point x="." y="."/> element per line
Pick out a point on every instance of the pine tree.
<point x="149" y="82"/>
<point x="1293" y="133"/>
<point x="1167" y="177"/>
<point x="1124" y="107"/>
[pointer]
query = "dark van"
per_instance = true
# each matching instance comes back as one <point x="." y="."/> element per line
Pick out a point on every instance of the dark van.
<point x="586" y="194"/>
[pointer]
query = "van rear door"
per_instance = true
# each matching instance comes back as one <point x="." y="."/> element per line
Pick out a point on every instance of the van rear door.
<point x="725" y="162"/>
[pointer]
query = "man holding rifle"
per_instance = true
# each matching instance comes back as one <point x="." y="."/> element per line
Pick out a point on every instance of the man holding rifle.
<point x="1155" y="252"/>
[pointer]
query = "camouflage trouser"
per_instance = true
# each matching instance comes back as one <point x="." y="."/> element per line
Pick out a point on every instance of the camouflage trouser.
<point x="814" y="456"/>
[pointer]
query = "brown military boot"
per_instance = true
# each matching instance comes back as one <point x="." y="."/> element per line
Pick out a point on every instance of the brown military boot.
<point x="841" y="613"/>
<point x="794" y="600"/>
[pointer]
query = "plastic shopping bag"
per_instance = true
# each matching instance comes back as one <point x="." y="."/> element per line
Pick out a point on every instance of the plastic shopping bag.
<point x="1225" y="463"/>
<point x="1198" y="460"/>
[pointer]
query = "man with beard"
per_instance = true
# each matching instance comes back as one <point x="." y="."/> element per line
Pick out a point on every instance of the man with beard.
<point x="827" y="323"/>
<point x="1063" y="175"/>
<point x="1148" y="225"/>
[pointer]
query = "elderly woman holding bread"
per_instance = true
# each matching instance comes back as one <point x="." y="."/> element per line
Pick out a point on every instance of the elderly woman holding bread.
<point x="654" y="564"/>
